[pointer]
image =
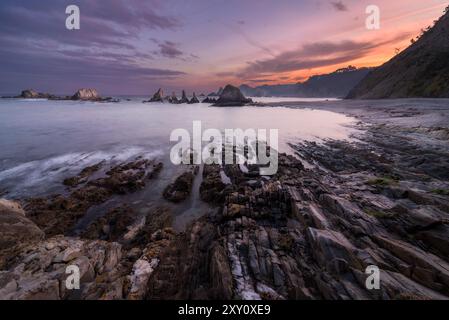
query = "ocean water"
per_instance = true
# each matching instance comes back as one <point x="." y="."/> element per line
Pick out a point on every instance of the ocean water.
<point x="42" y="142"/>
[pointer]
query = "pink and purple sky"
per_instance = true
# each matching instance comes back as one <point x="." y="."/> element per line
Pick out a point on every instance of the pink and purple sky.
<point x="137" y="46"/>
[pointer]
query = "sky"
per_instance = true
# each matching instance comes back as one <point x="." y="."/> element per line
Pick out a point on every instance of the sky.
<point x="136" y="46"/>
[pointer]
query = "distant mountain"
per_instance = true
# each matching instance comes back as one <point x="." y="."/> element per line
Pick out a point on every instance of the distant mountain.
<point x="422" y="70"/>
<point x="334" y="85"/>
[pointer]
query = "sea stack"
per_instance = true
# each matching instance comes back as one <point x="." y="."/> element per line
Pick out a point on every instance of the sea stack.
<point x="158" y="96"/>
<point x="231" y="97"/>
<point x="29" y="94"/>
<point x="194" y="99"/>
<point x="209" y="100"/>
<point x="86" y="95"/>
<point x="33" y="94"/>
<point x="173" y="99"/>
<point x="184" y="98"/>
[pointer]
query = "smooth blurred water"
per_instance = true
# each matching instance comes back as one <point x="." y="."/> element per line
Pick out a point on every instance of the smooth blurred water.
<point x="41" y="141"/>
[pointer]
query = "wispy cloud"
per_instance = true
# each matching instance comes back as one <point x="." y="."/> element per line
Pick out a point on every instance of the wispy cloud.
<point x="314" y="55"/>
<point x="34" y="44"/>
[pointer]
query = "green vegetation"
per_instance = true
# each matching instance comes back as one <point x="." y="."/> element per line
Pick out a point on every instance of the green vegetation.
<point x="378" y="214"/>
<point x="443" y="192"/>
<point x="382" y="181"/>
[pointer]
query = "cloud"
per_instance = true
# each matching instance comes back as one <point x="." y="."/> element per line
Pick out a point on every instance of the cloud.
<point x="250" y="40"/>
<point x="113" y="24"/>
<point x="339" y="6"/>
<point x="260" y="80"/>
<point x="313" y="55"/>
<point x="36" y="46"/>
<point x="170" y="49"/>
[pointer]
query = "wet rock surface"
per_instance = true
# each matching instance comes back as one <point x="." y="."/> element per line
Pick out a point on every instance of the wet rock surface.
<point x="181" y="188"/>
<point x="58" y="214"/>
<point x="308" y="232"/>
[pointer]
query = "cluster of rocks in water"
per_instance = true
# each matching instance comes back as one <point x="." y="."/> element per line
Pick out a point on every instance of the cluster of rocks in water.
<point x="173" y="99"/>
<point x="80" y="95"/>
<point x="230" y="96"/>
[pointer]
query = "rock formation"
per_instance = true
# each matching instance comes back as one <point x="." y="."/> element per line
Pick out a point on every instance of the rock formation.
<point x="86" y="94"/>
<point x="194" y="99"/>
<point x="15" y="226"/>
<point x="184" y="98"/>
<point x="157" y="97"/>
<point x="230" y="97"/>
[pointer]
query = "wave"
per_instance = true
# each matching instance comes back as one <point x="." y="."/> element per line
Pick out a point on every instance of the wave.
<point x="42" y="176"/>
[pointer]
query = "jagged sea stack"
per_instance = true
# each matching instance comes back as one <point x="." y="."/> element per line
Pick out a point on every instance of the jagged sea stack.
<point x="184" y="98"/>
<point x="232" y="97"/>
<point x="158" y="96"/>
<point x="29" y="94"/>
<point x="173" y="99"/>
<point x="33" y="94"/>
<point x="209" y="100"/>
<point x="194" y="99"/>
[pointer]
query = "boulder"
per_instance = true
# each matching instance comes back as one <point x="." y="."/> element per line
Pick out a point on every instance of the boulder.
<point x="173" y="99"/>
<point x="180" y="189"/>
<point x="15" y="227"/>
<point x="232" y="96"/>
<point x="33" y="94"/>
<point x="29" y="94"/>
<point x="332" y="250"/>
<point x="209" y="100"/>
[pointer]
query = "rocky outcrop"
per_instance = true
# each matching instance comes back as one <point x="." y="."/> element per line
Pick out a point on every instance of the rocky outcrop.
<point x="194" y="99"/>
<point x="80" y="95"/>
<point x="157" y="97"/>
<point x="303" y="233"/>
<point x="29" y="94"/>
<point x="32" y="94"/>
<point x="230" y="97"/>
<point x="39" y="271"/>
<point x="181" y="188"/>
<point x="86" y="95"/>
<point x="184" y="98"/>
<point x="216" y="94"/>
<point x="15" y="227"/>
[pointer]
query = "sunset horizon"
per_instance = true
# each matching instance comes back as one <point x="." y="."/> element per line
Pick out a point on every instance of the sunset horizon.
<point x="137" y="47"/>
